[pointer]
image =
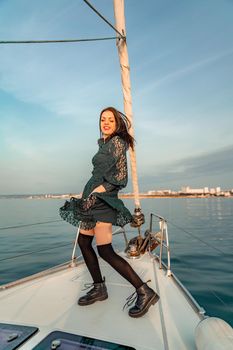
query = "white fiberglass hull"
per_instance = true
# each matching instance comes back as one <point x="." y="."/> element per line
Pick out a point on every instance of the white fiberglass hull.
<point x="50" y="303"/>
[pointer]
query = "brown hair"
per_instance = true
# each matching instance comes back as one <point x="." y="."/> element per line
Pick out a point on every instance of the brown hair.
<point x="122" y="126"/>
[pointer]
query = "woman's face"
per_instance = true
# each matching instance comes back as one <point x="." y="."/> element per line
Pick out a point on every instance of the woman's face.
<point x="107" y="123"/>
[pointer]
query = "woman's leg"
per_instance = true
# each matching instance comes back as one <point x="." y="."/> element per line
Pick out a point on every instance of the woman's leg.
<point x="99" y="290"/>
<point x="103" y="234"/>
<point x="145" y="295"/>
<point x="85" y="239"/>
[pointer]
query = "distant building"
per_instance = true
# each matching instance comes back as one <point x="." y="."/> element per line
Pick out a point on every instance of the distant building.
<point x="215" y="191"/>
<point x="188" y="190"/>
<point x="205" y="190"/>
<point x="159" y="192"/>
<point x="227" y="194"/>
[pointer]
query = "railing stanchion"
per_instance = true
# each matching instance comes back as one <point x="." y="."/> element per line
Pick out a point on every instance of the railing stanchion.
<point x="162" y="239"/>
<point x="75" y="246"/>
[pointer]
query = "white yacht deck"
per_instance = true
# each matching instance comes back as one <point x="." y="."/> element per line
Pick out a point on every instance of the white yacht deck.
<point x="50" y="303"/>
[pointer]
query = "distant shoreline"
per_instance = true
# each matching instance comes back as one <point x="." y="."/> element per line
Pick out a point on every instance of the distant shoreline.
<point x="175" y="196"/>
<point x="121" y="195"/>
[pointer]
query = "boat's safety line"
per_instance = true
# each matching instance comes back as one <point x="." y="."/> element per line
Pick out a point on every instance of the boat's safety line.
<point x="162" y="320"/>
<point x="197" y="238"/>
<point x="50" y="248"/>
<point x="27" y="225"/>
<point x="35" y="251"/>
<point x="191" y="235"/>
<point x="103" y="18"/>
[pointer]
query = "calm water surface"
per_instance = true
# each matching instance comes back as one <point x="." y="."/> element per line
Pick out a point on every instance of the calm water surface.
<point x="200" y="232"/>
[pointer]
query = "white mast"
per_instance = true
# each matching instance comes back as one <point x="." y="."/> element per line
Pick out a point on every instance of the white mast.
<point x="126" y="86"/>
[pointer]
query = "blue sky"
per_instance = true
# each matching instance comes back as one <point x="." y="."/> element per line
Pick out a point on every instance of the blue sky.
<point x="181" y="58"/>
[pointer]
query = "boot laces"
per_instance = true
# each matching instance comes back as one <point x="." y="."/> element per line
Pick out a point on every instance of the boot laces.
<point x="88" y="286"/>
<point x="132" y="298"/>
<point x="93" y="284"/>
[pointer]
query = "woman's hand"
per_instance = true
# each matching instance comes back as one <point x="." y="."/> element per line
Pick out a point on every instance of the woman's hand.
<point x="87" y="203"/>
<point x="99" y="189"/>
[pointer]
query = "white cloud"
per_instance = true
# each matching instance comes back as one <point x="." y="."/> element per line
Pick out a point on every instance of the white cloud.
<point x="179" y="73"/>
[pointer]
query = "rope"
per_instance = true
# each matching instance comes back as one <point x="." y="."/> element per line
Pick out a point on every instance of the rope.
<point x="126" y="87"/>
<point x="133" y="164"/>
<point x="103" y="18"/>
<point x="53" y="41"/>
<point x="27" y="225"/>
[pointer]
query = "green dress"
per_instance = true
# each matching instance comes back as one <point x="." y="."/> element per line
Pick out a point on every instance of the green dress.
<point x="109" y="170"/>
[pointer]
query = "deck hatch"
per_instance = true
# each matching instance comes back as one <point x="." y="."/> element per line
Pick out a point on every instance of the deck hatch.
<point x="12" y="336"/>
<point x="70" y="341"/>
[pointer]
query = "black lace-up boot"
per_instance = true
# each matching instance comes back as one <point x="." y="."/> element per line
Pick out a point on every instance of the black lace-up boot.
<point x="97" y="293"/>
<point x="145" y="298"/>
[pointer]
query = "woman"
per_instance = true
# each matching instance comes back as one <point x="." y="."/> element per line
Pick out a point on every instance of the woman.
<point x="99" y="209"/>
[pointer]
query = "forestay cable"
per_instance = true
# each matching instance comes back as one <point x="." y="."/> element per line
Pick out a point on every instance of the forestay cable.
<point x="103" y="18"/>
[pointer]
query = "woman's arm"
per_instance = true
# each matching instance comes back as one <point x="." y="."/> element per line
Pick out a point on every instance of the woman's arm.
<point x="99" y="189"/>
<point x="115" y="178"/>
<point x="105" y="187"/>
<point x="116" y="175"/>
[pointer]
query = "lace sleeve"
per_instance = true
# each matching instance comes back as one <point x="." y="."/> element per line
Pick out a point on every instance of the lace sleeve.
<point x="117" y="174"/>
<point x="109" y="187"/>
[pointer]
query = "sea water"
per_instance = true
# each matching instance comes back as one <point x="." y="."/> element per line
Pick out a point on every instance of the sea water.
<point x="200" y="232"/>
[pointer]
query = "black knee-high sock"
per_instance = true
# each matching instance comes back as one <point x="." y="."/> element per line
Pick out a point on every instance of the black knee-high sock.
<point x="90" y="258"/>
<point x="119" y="264"/>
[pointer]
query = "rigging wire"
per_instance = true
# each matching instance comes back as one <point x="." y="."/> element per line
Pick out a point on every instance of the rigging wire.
<point x="54" y="41"/>
<point x="3" y="42"/>
<point x="103" y="18"/>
